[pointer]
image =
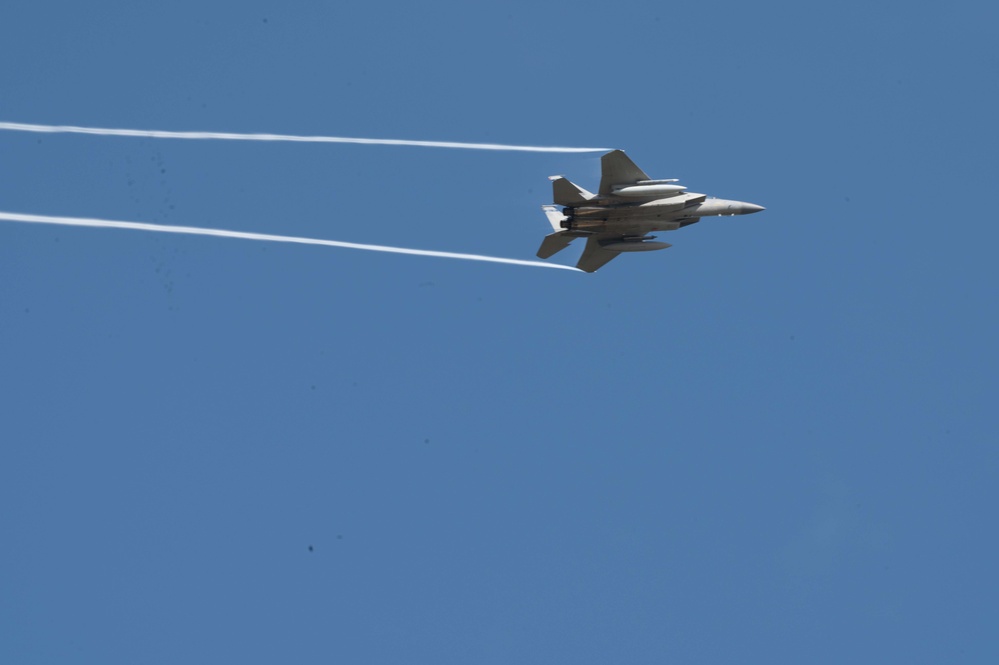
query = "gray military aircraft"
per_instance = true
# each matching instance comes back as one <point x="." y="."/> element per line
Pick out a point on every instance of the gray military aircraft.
<point x="627" y="207"/>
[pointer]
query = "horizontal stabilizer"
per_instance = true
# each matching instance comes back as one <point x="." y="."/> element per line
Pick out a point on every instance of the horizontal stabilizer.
<point x="554" y="243"/>
<point x="567" y="193"/>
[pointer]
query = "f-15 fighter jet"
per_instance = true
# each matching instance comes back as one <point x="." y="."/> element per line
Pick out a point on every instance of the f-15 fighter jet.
<point x="627" y="207"/>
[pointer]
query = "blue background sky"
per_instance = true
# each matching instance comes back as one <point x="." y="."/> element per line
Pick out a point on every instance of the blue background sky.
<point x="774" y="441"/>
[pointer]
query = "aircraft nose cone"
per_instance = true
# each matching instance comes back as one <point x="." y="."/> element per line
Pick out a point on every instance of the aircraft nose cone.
<point x="750" y="208"/>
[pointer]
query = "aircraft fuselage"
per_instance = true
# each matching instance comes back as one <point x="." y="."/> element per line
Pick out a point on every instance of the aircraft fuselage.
<point x="666" y="214"/>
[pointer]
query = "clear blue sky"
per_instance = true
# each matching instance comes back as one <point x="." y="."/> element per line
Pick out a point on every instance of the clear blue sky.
<point x="773" y="442"/>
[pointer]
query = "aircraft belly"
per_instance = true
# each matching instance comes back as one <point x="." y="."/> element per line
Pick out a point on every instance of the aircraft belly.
<point x="613" y="221"/>
<point x="636" y="214"/>
<point x="629" y="228"/>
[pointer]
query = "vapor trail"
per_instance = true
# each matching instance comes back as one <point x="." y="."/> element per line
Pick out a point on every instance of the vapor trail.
<point x="158" y="134"/>
<point x="194" y="230"/>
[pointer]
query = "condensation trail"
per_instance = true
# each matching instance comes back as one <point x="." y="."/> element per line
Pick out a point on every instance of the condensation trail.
<point x="221" y="233"/>
<point x="157" y="134"/>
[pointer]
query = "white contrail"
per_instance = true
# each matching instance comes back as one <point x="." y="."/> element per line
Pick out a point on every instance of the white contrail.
<point x="157" y="134"/>
<point x="194" y="230"/>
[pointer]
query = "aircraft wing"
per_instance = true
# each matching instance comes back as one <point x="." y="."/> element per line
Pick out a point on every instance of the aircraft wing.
<point x="594" y="255"/>
<point x="618" y="169"/>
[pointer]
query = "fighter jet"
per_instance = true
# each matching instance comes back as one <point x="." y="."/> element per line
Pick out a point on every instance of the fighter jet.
<point x="624" y="211"/>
